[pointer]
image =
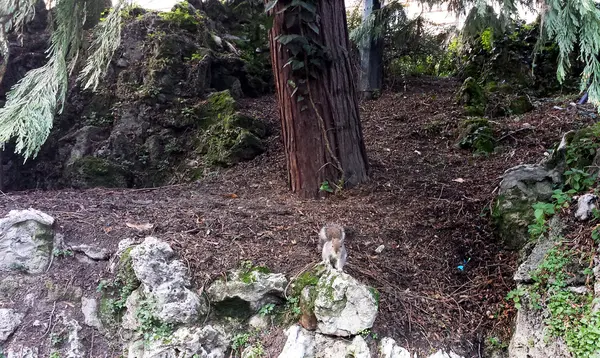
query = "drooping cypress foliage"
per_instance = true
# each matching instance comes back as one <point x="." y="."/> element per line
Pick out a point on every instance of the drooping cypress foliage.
<point x="33" y="102"/>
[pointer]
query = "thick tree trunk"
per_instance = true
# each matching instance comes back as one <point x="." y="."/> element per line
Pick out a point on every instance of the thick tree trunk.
<point x="371" y="53"/>
<point x="306" y="133"/>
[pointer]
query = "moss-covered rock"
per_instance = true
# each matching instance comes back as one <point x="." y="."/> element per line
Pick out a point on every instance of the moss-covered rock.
<point x="232" y="137"/>
<point x="219" y="104"/>
<point x="520" y="105"/>
<point x="89" y="172"/>
<point x="476" y="134"/>
<point x="472" y="97"/>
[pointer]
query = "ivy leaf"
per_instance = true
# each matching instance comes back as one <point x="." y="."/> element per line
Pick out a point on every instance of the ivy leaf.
<point x="313" y="27"/>
<point x="296" y="65"/>
<point x="291" y="20"/>
<point x="270" y="5"/>
<point x="286" y="39"/>
<point x="308" y="6"/>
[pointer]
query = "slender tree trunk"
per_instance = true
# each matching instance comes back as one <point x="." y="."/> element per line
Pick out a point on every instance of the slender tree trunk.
<point x="371" y="54"/>
<point x="311" y="137"/>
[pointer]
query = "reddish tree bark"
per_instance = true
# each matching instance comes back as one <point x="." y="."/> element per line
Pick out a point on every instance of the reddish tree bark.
<point x="309" y="161"/>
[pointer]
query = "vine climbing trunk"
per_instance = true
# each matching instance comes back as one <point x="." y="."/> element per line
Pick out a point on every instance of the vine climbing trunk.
<point x="321" y="129"/>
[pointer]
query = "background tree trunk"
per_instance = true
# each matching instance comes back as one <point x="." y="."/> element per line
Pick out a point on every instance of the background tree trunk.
<point x="334" y="95"/>
<point x="371" y="54"/>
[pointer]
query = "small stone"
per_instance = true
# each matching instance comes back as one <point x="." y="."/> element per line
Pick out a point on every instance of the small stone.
<point x="89" y="308"/>
<point x="258" y="321"/>
<point x="585" y="206"/>
<point x="581" y="290"/>
<point x="93" y="253"/>
<point x="10" y="320"/>
<point x="122" y="62"/>
<point x="380" y="249"/>
<point x="75" y="347"/>
<point x="389" y="349"/>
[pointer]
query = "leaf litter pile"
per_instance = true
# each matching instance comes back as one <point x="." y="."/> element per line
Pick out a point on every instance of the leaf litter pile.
<point x="442" y="275"/>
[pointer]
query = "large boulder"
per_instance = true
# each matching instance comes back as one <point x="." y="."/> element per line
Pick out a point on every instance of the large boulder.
<point x="165" y="281"/>
<point x="205" y="342"/>
<point x="26" y="240"/>
<point x="343" y="306"/>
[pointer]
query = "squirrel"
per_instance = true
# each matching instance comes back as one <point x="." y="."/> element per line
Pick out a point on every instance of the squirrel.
<point x="332" y="237"/>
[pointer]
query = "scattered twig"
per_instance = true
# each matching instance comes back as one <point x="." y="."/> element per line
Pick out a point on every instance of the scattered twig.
<point x="50" y="320"/>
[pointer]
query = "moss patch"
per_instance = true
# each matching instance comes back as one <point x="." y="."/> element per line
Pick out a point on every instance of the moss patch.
<point x="231" y="137"/>
<point x="89" y="172"/>
<point x="116" y="292"/>
<point x="476" y="134"/>
<point x="520" y="105"/>
<point x="472" y="97"/>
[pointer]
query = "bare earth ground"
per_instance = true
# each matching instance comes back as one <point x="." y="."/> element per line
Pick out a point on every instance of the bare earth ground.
<point x="427" y="202"/>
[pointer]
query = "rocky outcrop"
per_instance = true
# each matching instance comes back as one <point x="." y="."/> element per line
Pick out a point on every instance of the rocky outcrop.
<point x="26" y="241"/>
<point x="165" y="281"/>
<point x="149" y="118"/>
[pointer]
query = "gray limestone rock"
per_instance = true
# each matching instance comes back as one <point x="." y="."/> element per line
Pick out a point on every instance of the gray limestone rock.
<point x="22" y="352"/>
<point x="205" y="342"/>
<point x="166" y="281"/>
<point x="389" y="349"/>
<point x="529" y="338"/>
<point x="302" y="343"/>
<point x="343" y="306"/>
<point x="585" y="206"/>
<point x="10" y="320"/>
<point x="26" y="241"/>
<point x="89" y="308"/>
<point x="93" y="253"/>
